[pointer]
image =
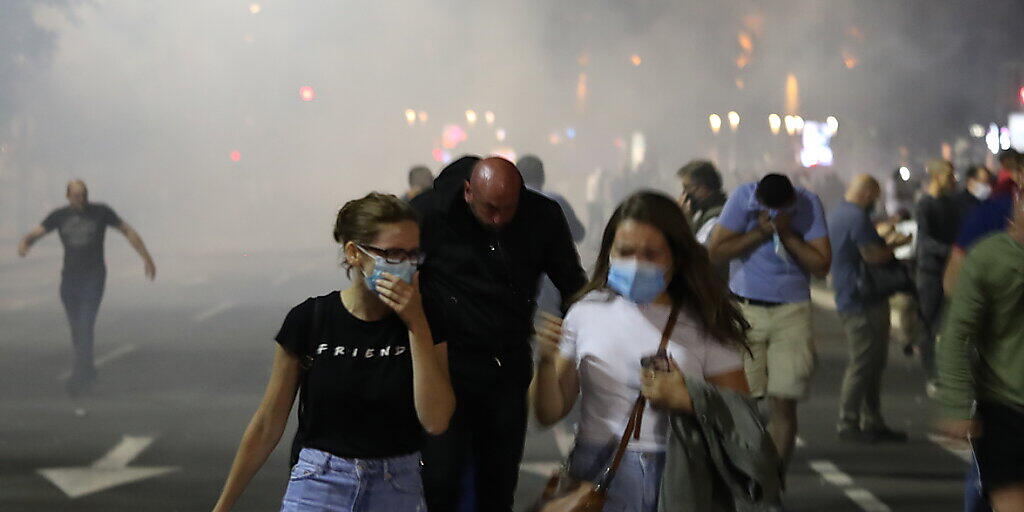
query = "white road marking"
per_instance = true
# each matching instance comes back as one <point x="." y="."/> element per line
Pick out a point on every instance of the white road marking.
<point x="835" y="476"/>
<point x="213" y="311"/>
<point x="960" y="449"/>
<point x="118" y="352"/>
<point x="109" y="471"/>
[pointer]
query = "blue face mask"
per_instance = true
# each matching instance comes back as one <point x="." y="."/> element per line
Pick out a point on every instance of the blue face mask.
<point x="403" y="270"/>
<point x="637" y="281"/>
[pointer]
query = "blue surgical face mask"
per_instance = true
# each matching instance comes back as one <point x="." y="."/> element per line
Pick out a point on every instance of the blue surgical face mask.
<point x="773" y="212"/>
<point x="403" y="270"/>
<point x="640" y="282"/>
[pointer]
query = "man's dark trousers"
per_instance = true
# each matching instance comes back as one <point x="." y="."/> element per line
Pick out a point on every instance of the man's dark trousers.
<point x="487" y="433"/>
<point x="81" y="293"/>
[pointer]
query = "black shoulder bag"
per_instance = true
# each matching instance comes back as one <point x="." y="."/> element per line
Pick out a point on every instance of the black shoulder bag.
<point x="305" y="365"/>
<point x="877" y="282"/>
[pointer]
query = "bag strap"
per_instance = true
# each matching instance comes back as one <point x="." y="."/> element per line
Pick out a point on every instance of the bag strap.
<point x="316" y="326"/>
<point x="637" y="414"/>
<point x="305" y="365"/>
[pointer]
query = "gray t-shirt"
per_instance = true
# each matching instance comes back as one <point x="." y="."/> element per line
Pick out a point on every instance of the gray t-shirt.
<point x="82" y="233"/>
<point x="849" y="229"/>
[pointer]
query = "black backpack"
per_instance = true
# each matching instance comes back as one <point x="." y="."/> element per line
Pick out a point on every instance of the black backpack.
<point x="305" y="365"/>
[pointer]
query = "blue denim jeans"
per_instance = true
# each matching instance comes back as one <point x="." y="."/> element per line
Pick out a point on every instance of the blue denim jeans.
<point x="321" y="481"/>
<point x="636" y="484"/>
<point x="974" y="495"/>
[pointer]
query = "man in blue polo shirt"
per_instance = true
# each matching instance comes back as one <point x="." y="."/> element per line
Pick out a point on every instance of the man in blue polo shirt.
<point x="775" y="237"/>
<point x="865" y="320"/>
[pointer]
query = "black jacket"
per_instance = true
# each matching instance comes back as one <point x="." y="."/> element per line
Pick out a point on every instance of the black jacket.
<point x="481" y="283"/>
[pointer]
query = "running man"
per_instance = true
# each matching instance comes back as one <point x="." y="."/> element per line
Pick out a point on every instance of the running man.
<point x="82" y="226"/>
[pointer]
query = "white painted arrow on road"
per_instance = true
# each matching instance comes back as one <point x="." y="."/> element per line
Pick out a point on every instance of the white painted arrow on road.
<point x="111" y="470"/>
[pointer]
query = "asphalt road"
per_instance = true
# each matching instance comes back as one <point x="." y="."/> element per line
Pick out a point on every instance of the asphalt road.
<point x="184" y="361"/>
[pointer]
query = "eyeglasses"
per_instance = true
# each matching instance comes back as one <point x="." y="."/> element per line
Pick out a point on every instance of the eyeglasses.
<point x="415" y="256"/>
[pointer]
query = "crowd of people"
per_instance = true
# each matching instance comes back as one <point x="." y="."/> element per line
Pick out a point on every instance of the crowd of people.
<point x="468" y="307"/>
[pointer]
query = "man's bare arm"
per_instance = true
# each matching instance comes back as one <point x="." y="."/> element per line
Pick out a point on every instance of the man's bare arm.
<point x="30" y="239"/>
<point x="136" y="241"/>
<point x="727" y="244"/>
<point x="815" y="256"/>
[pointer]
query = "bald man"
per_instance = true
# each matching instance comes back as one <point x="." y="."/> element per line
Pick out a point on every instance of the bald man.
<point x="488" y="240"/>
<point x="82" y="226"/>
<point x="865" y="319"/>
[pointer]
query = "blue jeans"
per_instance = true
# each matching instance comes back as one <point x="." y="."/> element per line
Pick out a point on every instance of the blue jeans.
<point x="321" y="481"/>
<point x="974" y="496"/>
<point x="636" y="484"/>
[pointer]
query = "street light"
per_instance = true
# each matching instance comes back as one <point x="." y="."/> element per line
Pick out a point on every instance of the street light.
<point x="715" y="121"/>
<point x="790" y="125"/>
<point x="774" y="122"/>
<point x="833" y="124"/>
<point x="471" y="117"/>
<point x="410" y="116"/>
<point x="734" y="120"/>
<point x="489" y="117"/>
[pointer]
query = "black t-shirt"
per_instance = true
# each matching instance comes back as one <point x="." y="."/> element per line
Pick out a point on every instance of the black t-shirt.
<point x="82" y="234"/>
<point x="938" y="220"/>
<point x="359" y="396"/>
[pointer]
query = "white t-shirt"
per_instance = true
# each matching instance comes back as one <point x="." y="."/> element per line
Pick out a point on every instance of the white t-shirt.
<point x="704" y="234"/>
<point x="606" y="335"/>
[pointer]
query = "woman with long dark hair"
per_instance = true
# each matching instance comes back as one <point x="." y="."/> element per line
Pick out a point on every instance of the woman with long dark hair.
<point x="649" y="264"/>
<point x="374" y="380"/>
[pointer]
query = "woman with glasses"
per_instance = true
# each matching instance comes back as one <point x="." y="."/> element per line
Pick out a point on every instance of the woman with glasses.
<point x="374" y="380"/>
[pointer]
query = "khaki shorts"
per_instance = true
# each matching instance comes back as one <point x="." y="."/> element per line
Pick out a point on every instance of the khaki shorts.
<point x="783" y="356"/>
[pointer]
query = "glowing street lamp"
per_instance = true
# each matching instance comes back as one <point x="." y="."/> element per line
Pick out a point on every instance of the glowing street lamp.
<point x="500" y="134"/>
<point x="715" y="121"/>
<point x="410" y="116"/>
<point x="255" y="8"/>
<point x="489" y="117"/>
<point x="790" y="125"/>
<point x="471" y="117"/>
<point x="307" y="93"/>
<point x="775" y="123"/>
<point x="904" y="174"/>
<point x="833" y="124"/>
<point x="422" y="116"/>
<point x="734" y="120"/>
